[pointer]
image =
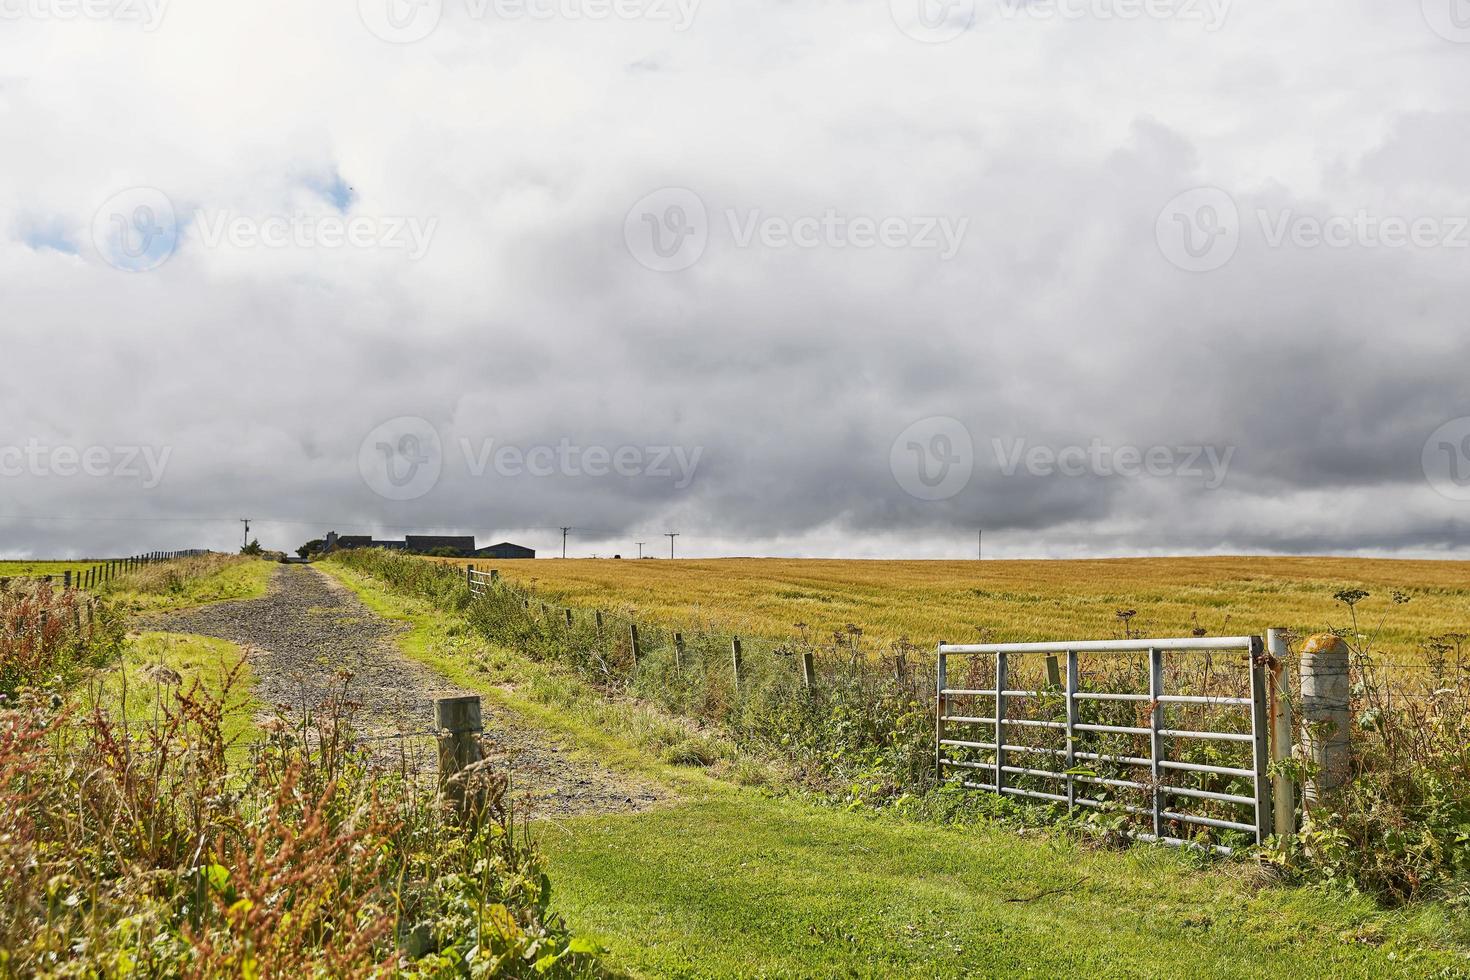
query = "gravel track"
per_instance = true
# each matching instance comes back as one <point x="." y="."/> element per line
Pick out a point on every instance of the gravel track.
<point x="308" y="629"/>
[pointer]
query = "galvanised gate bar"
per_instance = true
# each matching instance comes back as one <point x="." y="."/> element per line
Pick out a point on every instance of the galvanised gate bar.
<point x="961" y="736"/>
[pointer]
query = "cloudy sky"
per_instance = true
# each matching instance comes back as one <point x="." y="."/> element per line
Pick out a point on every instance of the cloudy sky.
<point x="830" y="278"/>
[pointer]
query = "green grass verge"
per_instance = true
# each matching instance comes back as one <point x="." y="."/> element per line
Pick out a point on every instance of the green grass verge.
<point x="192" y="582"/>
<point x="138" y="688"/>
<point x="735" y="884"/>
<point x="731" y="881"/>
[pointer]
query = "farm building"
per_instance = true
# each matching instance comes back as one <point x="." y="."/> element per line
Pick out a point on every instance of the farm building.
<point x="458" y="546"/>
<point x="505" y="550"/>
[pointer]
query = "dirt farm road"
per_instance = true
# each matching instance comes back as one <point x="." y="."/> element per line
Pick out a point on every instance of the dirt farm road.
<point x="309" y="629"/>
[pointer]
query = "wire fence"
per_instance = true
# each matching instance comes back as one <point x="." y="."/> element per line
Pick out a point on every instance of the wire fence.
<point x="96" y="575"/>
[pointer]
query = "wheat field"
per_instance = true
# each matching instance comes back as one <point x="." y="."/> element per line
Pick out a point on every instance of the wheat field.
<point x="925" y="602"/>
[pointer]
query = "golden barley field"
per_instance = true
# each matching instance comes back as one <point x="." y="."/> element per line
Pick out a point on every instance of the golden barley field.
<point x="929" y="601"/>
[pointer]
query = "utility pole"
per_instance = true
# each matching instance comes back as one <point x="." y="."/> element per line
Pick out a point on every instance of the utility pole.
<point x="246" y="522"/>
<point x="671" y="535"/>
<point x="640" y="549"/>
<point x="564" y="541"/>
<point x="980" y="545"/>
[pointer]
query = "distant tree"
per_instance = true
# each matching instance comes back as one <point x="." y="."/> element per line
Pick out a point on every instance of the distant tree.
<point x="446" y="553"/>
<point x="253" y="548"/>
<point x="313" y="547"/>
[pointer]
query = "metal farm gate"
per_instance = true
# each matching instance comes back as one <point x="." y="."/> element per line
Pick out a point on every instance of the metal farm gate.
<point x="1070" y="734"/>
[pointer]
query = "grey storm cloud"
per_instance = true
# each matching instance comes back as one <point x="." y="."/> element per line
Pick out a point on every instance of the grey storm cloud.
<point x="788" y="357"/>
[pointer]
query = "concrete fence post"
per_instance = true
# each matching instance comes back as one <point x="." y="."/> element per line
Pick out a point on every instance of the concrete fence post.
<point x="678" y="651"/>
<point x="808" y="671"/>
<point x="736" y="661"/>
<point x="1283" y="790"/>
<point x="458" y="723"/>
<point x="1326" y="717"/>
<point x="633" y="639"/>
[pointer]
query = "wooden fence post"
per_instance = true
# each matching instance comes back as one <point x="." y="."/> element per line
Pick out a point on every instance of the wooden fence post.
<point x="1283" y="790"/>
<point x="569" y="619"/>
<point x="679" y="650"/>
<point x="1326" y="719"/>
<point x="1053" y="672"/>
<point x="633" y="639"/>
<point x="458" y="723"/>
<point x="469" y="578"/>
<point x="599" y="624"/>
<point x="735" y="661"/>
<point x="66" y="580"/>
<point x="494" y="576"/>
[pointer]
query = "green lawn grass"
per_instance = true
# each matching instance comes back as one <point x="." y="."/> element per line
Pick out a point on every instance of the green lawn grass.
<point x="730" y="881"/>
<point x="133" y="689"/>
<point x="733" y="884"/>
<point x="190" y="582"/>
